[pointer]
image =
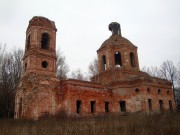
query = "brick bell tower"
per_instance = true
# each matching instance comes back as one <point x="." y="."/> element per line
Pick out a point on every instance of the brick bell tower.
<point x="117" y="57"/>
<point x="34" y="95"/>
<point x="40" y="47"/>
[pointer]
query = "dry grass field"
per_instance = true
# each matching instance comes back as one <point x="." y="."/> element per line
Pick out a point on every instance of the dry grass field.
<point x="131" y="124"/>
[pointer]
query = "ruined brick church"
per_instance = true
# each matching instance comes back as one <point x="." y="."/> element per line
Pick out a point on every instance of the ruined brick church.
<point x="119" y="87"/>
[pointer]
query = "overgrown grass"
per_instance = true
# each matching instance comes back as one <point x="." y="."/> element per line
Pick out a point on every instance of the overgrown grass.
<point x="132" y="124"/>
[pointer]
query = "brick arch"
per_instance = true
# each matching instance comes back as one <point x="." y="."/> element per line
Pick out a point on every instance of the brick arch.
<point x="104" y="62"/>
<point x="118" y="59"/>
<point x="132" y="59"/>
<point x="45" y="41"/>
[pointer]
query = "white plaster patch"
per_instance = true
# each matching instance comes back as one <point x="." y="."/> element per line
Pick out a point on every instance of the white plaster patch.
<point x="44" y="82"/>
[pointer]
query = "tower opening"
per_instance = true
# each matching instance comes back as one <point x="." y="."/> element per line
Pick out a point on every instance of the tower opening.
<point x="28" y="42"/>
<point x="25" y="66"/>
<point x="117" y="57"/>
<point x="159" y="91"/>
<point x="44" y="64"/>
<point x="137" y="91"/>
<point x="148" y="90"/>
<point x="45" y="41"/>
<point x="132" y="59"/>
<point x="104" y="62"/>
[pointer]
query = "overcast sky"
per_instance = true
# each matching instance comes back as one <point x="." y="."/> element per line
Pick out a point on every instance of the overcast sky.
<point x="152" y="25"/>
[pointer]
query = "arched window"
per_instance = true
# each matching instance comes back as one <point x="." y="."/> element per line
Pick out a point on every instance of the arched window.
<point x="45" y="41"/>
<point x="104" y="62"/>
<point x="132" y="59"/>
<point x="25" y="66"/>
<point x="122" y="106"/>
<point x="117" y="58"/>
<point x="28" y="42"/>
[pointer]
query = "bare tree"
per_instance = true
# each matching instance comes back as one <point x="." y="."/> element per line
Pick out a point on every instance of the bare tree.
<point x="177" y="89"/>
<point x="169" y="72"/>
<point x="2" y="53"/>
<point x="10" y="73"/>
<point x="177" y="96"/>
<point x="166" y="71"/>
<point x="153" y="71"/>
<point x="93" y="68"/>
<point x="78" y="74"/>
<point x="178" y="75"/>
<point x="62" y="68"/>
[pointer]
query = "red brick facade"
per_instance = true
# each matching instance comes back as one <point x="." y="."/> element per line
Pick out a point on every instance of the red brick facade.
<point x="119" y="87"/>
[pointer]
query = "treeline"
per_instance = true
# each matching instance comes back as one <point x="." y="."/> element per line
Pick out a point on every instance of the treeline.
<point x="11" y="64"/>
<point x="10" y="73"/>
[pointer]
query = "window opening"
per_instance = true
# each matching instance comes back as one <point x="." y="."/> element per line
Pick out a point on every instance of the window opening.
<point x="28" y="42"/>
<point x="148" y="90"/>
<point x="44" y="64"/>
<point x="137" y="90"/>
<point x="150" y="104"/>
<point x="106" y="106"/>
<point x="104" y="62"/>
<point x="161" y="105"/>
<point x="123" y="106"/>
<point x="45" y="41"/>
<point x="92" y="106"/>
<point x="170" y="106"/>
<point x="25" y="66"/>
<point x="159" y="91"/>
<point x="78" y="106"/>
<point x="132" y="59"/>
<point x="168" y="92"/>
<point x="117" y="57"/>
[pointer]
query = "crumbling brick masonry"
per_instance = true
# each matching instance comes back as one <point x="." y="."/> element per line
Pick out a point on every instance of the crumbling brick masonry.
<point x="119" y="87"/>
